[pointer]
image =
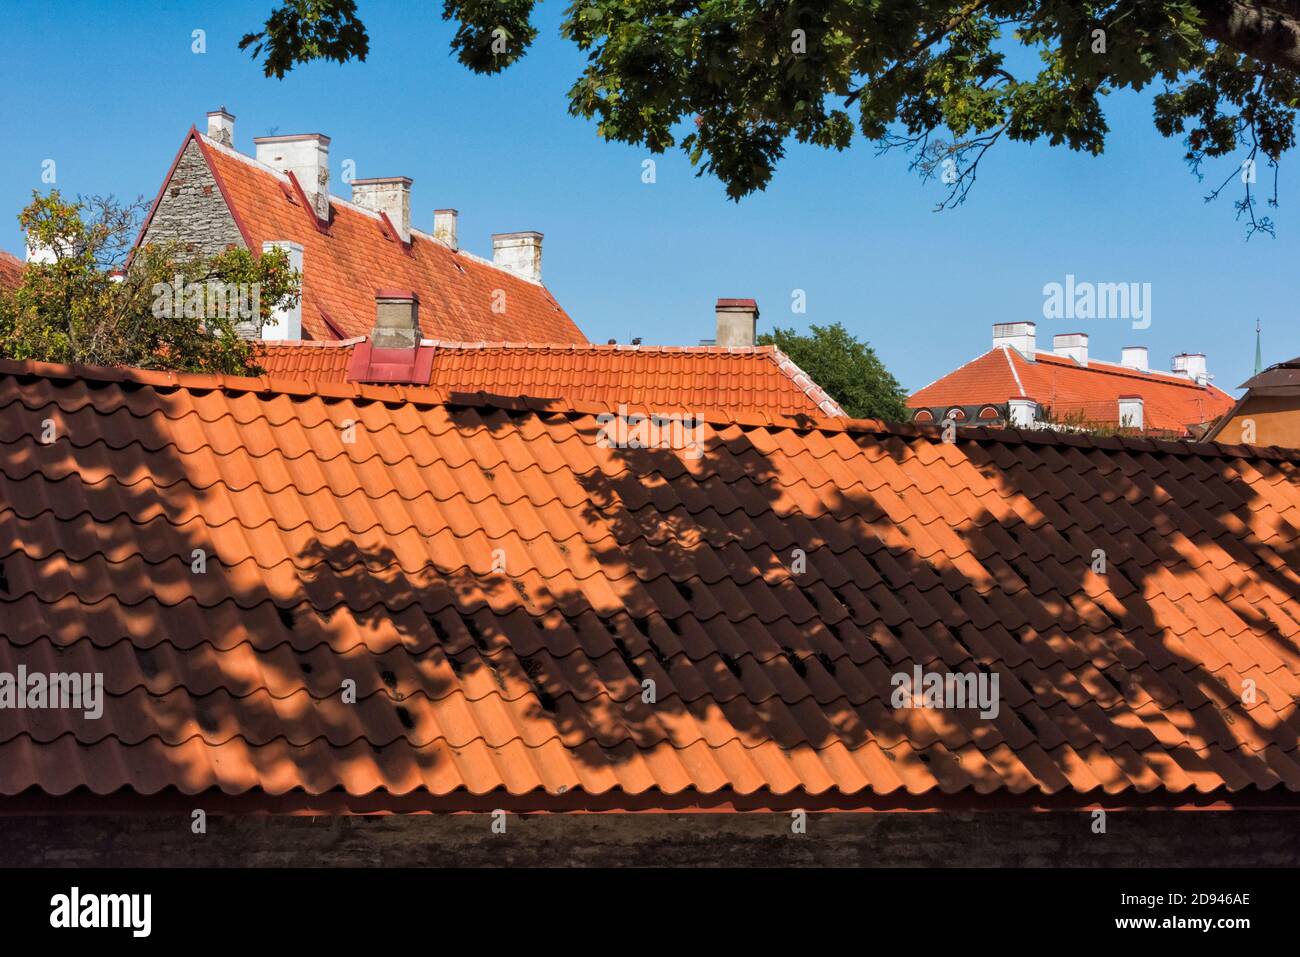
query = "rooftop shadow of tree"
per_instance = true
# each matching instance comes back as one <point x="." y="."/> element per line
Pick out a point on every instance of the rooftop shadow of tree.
<point x="501" y="589"/>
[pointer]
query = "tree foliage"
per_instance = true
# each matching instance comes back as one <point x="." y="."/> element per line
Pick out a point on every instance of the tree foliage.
<point x="732" y="82"/>
<point x="95" y="301"/>
<point x="846" y="368"/>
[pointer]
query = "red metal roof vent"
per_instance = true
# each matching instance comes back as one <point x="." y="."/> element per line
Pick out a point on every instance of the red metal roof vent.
<point x="391" y="366"/>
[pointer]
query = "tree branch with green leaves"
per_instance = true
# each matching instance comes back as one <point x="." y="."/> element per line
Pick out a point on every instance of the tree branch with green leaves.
<point x="733" y="82"/>
<point x="92" y="297"/>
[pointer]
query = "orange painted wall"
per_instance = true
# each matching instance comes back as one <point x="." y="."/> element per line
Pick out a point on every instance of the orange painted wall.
<point x="1276" y="417"/>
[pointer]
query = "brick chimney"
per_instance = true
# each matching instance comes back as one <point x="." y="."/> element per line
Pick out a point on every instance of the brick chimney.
<point x="444" y="226"/>
<point x="1021" y="336"/>
<point x="307" y="156"/>
<point x="390" y="195"/>
<point x="519" y="253"/>
<point x="221" y="127"/>
<point x="737" y="321"/>
<point x="397" y="320"/>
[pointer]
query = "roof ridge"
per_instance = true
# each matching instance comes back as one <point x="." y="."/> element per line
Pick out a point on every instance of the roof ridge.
<point x="484" y="344"/>
<point x="427" y="395"/>
<point x="809" y="387"/>
<point x="257" y="164"/>
<point x="1115" y="368"/>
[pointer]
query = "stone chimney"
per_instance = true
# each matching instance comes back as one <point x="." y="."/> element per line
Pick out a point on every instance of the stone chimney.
<point x="221" y="127"/>
<point x="397" y="320"/>
<point x="737" y="321"/>
<point x="444" y="227"/>
<point x="1134" y="357"/>
<point x="1021" y="336"/>
<point x="1192" y="365"/>
<point x="1130" y="412"/>
<point x="1072" y="345"/>
<point x="519" y="253"/>
<point x="285" y="323"/>
<point x="390" y="195"/>
<point x="1022" y="412"/>
<point x="307" y="156"/>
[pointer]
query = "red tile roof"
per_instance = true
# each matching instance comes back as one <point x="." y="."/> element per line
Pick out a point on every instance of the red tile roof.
<point x="691" y="378"/>
<point x="1170" y="403"/>
<point x="11" y="271"/>
<point x="358" y="534"/>
<point x="344" y="262"/>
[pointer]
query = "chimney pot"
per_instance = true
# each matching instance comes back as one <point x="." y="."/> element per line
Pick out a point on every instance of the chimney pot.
<point x="1134" y="357"/>
<point x="444" y="227"/>
<point x="221" y="127"/>
<point x="737" y="322"/>
<point x="1072" y="345"/>
<point x="519" y="253"/>
<point x="1021" y="336"/>
<point x="307" y="156"/>
<point x="1130" y="412"/>
<point x="390" y="195"/>
<point x="397" y="320"/>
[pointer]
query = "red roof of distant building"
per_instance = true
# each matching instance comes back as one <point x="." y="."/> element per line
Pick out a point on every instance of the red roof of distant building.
<point x="346" y="260"/>
<point x="11" y="271"/>
<point x="758" y="379"/>
<point x="1171" y="403"/>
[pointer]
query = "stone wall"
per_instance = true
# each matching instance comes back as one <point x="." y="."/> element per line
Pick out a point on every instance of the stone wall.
<point x="911" y="839"/>
<point x="193" y="210"/>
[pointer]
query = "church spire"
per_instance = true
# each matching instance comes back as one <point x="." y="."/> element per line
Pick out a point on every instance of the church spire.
<point x="1259" y="361"/>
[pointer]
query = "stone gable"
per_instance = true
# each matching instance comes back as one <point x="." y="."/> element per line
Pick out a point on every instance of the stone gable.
<point x="192" y="209"/>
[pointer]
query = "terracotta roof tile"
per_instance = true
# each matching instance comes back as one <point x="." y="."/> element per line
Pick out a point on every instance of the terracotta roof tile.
<point x="346" y="260"/>
<point x="759" y="380"/>
<point x="1170" y="403"/>
<point x="11" y="271"/>
<point x="379" y="561"/>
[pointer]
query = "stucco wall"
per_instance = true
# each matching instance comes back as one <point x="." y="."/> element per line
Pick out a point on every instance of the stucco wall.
<point x="985" y="838"/>
<point x="1277" y="421"/>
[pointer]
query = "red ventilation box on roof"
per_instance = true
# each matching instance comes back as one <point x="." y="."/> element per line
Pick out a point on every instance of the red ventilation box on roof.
<point x="392" y="366"/>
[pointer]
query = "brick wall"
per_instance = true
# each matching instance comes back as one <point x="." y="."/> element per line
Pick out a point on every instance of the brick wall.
<point x="192" y="209"/>
<point x="986" y="838"/>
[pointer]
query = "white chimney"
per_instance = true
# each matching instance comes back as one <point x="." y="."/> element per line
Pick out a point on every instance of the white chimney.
<point x="39" y="254"/>
<point x="1022" y="412"/>
<point x="520" y="253"/>
<point x="1020" y="336"/>
<point x="285" y="323"/>
<point x="1134" y="357"/>
<point x="444" y="227"/>
<point x="307" y="156"/>
<point x="390" y="195"/>
<point x="221" y="127"/>
<point x="737" y="322"/>
<point x="1192" y="365"/>
<point x="1072" y="345"/>
<point x="1130" y="412"/>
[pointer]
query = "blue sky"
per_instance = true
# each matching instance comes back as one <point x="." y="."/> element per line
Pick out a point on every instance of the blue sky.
<point x="855" y="231"/>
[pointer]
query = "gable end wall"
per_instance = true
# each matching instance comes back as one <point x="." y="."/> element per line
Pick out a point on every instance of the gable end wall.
<point x="192" y="209"/>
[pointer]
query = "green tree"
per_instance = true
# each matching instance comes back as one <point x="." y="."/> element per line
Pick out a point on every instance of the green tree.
<point x="92" y="299"/>
<point x="846" y="368"/>
<point x="731" y="82"/>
